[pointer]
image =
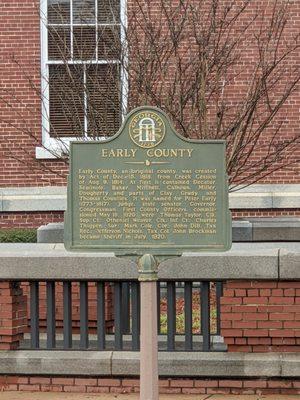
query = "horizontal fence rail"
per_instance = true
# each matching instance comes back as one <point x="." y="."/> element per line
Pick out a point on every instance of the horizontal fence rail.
<point x="101" y="315"/>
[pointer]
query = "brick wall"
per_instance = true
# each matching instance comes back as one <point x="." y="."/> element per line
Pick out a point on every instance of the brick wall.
<point x="13" y="317"/>
<point x="10" y="220"/>
<point x="261" y="316"/>
<point x="170" y="386"/>
<point x="20" y="120"/>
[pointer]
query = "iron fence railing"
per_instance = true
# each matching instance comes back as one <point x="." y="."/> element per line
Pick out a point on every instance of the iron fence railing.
<point x="188" y="315"/>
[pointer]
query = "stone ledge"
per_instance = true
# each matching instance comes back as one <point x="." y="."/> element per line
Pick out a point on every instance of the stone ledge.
<point x="177" y="364"/>
<point x="252" y="230"/>
<point x="52" y="261"/>
<point x="54" y="198"/>
<point x="289" y="264"/>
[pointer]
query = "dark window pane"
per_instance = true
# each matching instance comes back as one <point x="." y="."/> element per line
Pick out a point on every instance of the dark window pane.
<point x="109" y="42"/>
<point x="66" y="100"/>
<point x="103" y="91"/>
<point x="84" y="12"/>
<point x="108" y="11"/>
<point x="58" y="11"/>
<point x="84" y="42"/>
<point x="58" y="43"/>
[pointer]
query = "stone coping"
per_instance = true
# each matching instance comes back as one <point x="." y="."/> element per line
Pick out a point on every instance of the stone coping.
<point x="171" y="364"/>
<point x="278" y="229"/>
<point x="252" y="261"/>
<point x="54" y="198"/>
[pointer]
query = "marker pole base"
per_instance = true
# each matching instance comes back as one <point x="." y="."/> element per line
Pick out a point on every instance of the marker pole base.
<point x="149" y="348"/>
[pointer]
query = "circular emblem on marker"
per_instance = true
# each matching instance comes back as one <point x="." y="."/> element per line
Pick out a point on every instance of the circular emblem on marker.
<point x="147" y="129"/>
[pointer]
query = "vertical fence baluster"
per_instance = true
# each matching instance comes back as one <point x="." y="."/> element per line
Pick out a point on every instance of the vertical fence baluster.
<point x="125" y="308"/>
<point x="158" y="308"/>
<point x="135" y="315"/>
<point x="171" y="315"/>
<point x="205" y="315"/>
<point x="219" y="293"/>
<point x="118" y="318"/>
<point x="34" y="315"/>
<point x="188" y="319"/>
<point x="101" y="315"/>
<point x="51" y="343"/>
<point x="67" y="299"/>
<point x="84" y="330"/>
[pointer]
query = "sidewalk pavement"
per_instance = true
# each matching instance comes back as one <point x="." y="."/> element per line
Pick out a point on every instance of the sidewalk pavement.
<point x="100" y="396"/>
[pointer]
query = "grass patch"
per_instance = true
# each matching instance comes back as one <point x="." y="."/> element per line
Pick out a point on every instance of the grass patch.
<point x="18" y="236"/>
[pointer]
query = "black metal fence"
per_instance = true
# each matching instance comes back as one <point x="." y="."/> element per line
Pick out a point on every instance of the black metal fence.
<point x="188" y="316"/>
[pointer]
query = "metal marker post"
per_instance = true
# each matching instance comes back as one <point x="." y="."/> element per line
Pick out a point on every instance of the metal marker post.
<point x="149" y="349"/>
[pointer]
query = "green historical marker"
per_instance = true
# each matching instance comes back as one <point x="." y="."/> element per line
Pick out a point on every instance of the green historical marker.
<point x="149" y="194"/>
<point x="148" y="190"/>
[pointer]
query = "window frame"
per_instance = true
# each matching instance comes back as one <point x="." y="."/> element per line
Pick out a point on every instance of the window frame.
<point x="53" y="147"/>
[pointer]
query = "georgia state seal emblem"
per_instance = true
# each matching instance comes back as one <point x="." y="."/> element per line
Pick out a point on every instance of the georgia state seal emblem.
<point x="147" y="129"/>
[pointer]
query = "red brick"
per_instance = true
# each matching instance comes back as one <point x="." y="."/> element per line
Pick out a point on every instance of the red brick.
<point x="218" y="391"/>
<point x="230" y="383"/>
<point x="244" y="324"/>
<point x="283" y="341"/>
<point x="290" y="292"/>
<point x="239" y="284"/>
<point x="281" y="333"/>
<point x="256" y="316"/>
<point x="40" y="380"/>
<point x="264" y="285"/>
<point x="241" y="341"/>
<point x="271" y="308"/>
<point x="109" y="382"/>
<point x="259" y="340"/>
<point x="16" y="379"/>
<point x="231" y="300"/>
<point x="75" y="389"/>
<point x="281" y="316"/>
<point x="240" y="292"/>
<point x="165" y="390"/>
<point x="228" y="292"/>
<point x="130" y="382"/>
<point x="255" y="384"/>
<point x="289" y="284"/>
<point x="265" y="292"/>
<point x="164" y="382"/>
<point x="193" y="391"/>
<point x="182" y="383"/>
<point x="255" y="332"/>
<point x="226" y="324"/>
<point x="292" y="324"/>
<point x="231" y="316"/>
<point x="63" y="381"/>
<point x="255" y="300"/>
<point x="51" y="388"/>
<point x="29" y="388"/>
<point x="270" y="324"/>
<point x="277" y="292"/>
<point x="244" y="309"/>
<point x="253" y="292"/>
<point x="97" y="389"/>
<point x="85" y="382"/>
<point x="279" y="384"/>
<point x="232" y="332"/>
<point x="281" y="300"/>
<point x="206" y="383"/>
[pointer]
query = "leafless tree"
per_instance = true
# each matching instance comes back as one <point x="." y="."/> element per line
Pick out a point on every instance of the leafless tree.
<point x="221" y="69"/>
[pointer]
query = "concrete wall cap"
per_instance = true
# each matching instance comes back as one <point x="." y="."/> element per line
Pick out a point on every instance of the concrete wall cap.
<point x="184" y="364"/>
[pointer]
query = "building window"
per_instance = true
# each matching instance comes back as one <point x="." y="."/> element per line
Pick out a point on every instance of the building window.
<point x="82" y="77"/>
